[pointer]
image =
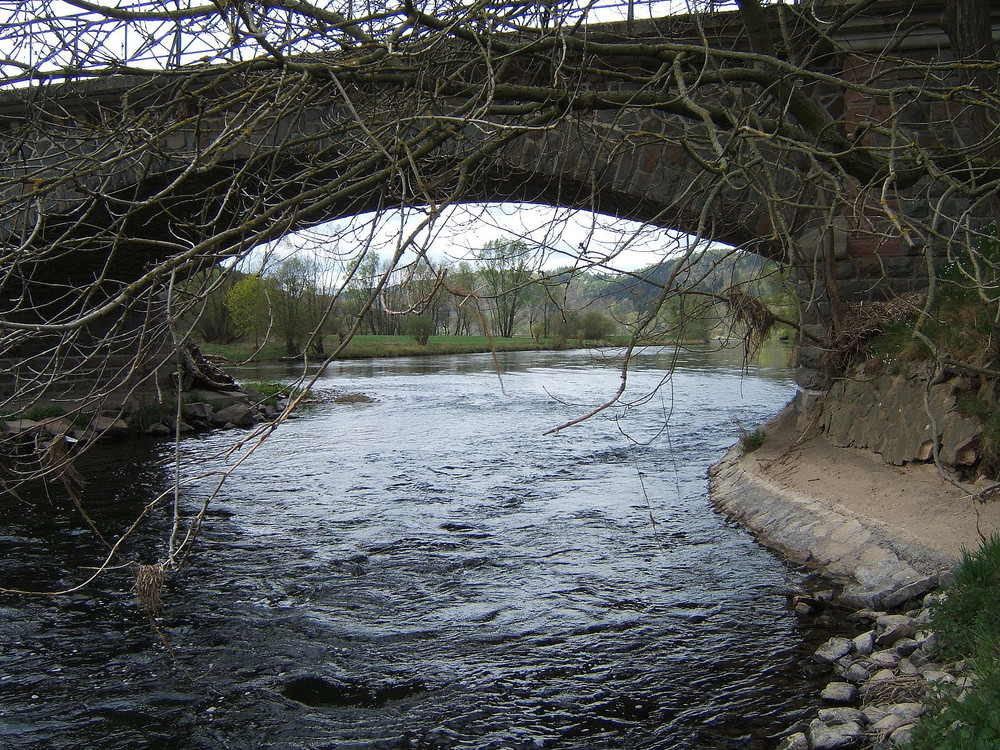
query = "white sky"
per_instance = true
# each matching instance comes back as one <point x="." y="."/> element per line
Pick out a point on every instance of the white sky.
<point x="564" y="237"/>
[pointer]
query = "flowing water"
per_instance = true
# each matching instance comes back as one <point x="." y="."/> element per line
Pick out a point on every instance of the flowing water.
<point x="429" y="570"/>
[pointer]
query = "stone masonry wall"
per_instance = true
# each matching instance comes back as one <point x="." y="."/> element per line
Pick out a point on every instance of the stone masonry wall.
<point x="902" y="417"/>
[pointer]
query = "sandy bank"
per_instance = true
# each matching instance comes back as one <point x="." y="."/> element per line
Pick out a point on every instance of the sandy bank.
<point x="885" y="532"/>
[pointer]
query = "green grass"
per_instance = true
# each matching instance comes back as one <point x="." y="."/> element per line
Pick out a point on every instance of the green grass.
<point x="367" y="346"/>
<point x="241" y="351"/>
<point x="967" y="624"/>
<point x="36" y="413"/>
<point x="751" y="441"/>
<point x="272" y="390"/>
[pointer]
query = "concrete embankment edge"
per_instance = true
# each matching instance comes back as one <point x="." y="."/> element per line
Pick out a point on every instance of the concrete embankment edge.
<point x="876" y="567"/>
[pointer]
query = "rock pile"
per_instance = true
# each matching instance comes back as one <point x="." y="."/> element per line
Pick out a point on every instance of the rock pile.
<point x="877" y="682"/>
<point x="225" y="410"/>
<point x="213" y="410"/>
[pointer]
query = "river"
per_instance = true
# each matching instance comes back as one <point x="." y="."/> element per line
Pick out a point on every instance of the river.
<point x="429" y="570"/>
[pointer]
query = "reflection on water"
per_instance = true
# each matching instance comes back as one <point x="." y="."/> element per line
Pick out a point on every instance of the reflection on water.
<point x="430" y="570"/>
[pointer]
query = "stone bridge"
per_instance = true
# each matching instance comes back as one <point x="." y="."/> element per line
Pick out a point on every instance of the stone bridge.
<point x="122" y="179"/>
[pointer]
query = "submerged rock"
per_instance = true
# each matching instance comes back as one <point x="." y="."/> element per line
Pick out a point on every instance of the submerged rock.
<point x="796" y="741"/>
<point x="314" y="690"/>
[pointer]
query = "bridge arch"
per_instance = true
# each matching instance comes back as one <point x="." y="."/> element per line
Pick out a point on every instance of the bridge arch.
<point x="120" y="183"/>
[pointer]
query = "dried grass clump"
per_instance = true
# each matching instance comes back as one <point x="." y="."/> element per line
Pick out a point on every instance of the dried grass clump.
<point x="861" y="324"/>
<point x="901" y="689"/>
<point x="149" y="588"/>
<point x="754" y="316"/>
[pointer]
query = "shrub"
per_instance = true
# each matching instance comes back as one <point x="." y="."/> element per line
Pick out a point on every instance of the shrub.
<point x="420" y="327"/>
<point x="43" y="411"/>
<point x="596" y="325"/>
<point x="751" y="441"/>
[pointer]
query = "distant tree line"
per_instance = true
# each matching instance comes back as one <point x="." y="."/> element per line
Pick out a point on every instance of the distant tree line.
<point x="303" y="300"/>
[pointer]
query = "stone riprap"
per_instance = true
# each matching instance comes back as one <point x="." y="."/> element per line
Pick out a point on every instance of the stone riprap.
<point x="875" y="567"/>
<point x="877" y="682"/>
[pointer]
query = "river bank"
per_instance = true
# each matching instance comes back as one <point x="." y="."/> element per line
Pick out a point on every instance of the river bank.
<point x="889" y="535"/>
<point x="874" y="528"/>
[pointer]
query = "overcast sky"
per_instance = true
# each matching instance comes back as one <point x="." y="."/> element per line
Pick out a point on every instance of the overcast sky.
<point x="561" y="236"/>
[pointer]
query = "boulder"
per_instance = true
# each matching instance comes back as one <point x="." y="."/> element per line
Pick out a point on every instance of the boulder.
<point x="907" y="668"/>
<point x="910" y="711"/>
<point x="21" y="425"/>
<point x="910" y="591"/>
<point x="109" y="427"/>
<point x="864" y="644"/>
<point x="929" y="643"/>
<point x="885" y="659"/>
<point x="881" y="676"/>
<point x="903" y="736"/>
<point x="856" y="674"/>
<point x="833" y="649"/>
<point x="220" y="398"/>
<point x="890" y="628"/>
<point x="839" y="693"/>
<point x="199" y="411"/>
<point x="803" y="608"/>
<point x="58" y="426"/>
<point x="935" y="676"/>
<point x="889" y="724"/>
<point x="842" y="715"/>
<point x="239" y="415"/>
<point x="824" y="737"/>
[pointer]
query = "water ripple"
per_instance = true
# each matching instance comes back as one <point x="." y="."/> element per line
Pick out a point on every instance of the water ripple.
<point x="430" y="571"/>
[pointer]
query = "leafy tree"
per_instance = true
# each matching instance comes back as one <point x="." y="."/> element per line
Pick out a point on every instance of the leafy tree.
<point x="210" y="318"/>
<point x="368" y="292"/>
<point x="463" y="300"/>
<point x="505" y="273"/>
<point x="249" y="307"/>
<point x="299" y="305"/>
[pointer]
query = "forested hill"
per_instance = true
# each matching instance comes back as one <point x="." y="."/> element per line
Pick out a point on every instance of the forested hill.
<point x="710" y="272"/>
